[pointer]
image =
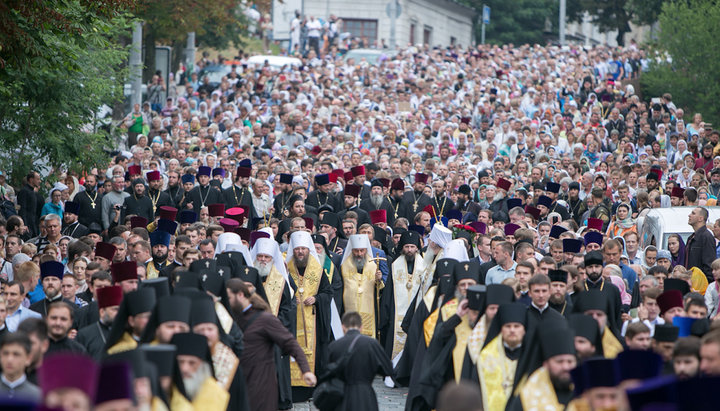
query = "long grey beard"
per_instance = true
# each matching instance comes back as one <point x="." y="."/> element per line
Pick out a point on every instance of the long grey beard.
<point x="498" y="197"/>
<point x="359" y="264"/>
<point x="263" y="268"/>
<point x="193" y="384"/>
<point x="321" y="256"/>
<point x="376" y="200"/>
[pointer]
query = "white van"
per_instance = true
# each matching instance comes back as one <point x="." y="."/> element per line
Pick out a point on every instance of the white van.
<point x="659" y="223"/>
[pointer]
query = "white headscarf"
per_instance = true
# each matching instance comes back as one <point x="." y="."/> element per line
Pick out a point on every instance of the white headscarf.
<point x="270" y="247"/>
<point x="302" y="239"/>
<point x="456" y="250"/>
<point x="357" y="241"/>
<point x="440" y="235"/>
<point x="228" y="242"/>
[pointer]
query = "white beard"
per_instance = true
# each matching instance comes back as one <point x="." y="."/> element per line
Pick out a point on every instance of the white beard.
<point x="359" y="264"/>
<point x="321" y="257"/>
<point x="376" y="200"/>
<point x="263" y="268"/>
<point x="193" y="384"/>
<point x="498" y="197"/>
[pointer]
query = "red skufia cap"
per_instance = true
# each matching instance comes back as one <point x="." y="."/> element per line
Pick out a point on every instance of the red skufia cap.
<point x="333" y="178"/>
<point x="66" y="370"/>
<point x="244" y="233"/>
<point x="105" y="250"/>
<point x="385" y="182"/>
<point x="153" y="175"/>
<point x="244" y="172"/>
<point x="309" y="223"/>
<point x="352" y="190"/>
<point x="348" y="176"/>
<point x="421" y="178"/>
<point x="316" y="150"/>
<point x="677" y="192"/>
<point x="137" y="221"/>
<point x="168" y="213"/>
<point x="533" y="211"/>
<point x="228" y="224"/>
<point x="338" y="172"/>
<point x="669" y="300"/>
<point x="216" y="210"/>
<point x="135" y="170"/>
<point x="503" y="184"/>
<point x="358" y="171"/>
<point x="236" y="213"/>
<point x="378" y="216"/>
<point x="126" y="270"/>
<point x="430" y="209"/>
<point x="109" y="296"/>
<point x="397" y="184"/>
<point x="595" y="224"/>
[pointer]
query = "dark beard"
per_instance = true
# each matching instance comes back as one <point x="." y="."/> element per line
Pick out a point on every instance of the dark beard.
<point x="301" y="263"/>
<point x="359" y="264"/>
<point x="560" y="384"/>
<point x="555" y="300"/>
<point x="160" y="257"/>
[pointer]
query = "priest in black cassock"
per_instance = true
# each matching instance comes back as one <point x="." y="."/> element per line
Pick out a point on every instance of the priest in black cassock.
<point x="138" y="203"/>
<point x="240" y="194"/>
<point x="350" y="194"/>
<point x="203" y="194"/>
<point x="158" y="197"/>
<point x="89" y="202"/>
<point x="560" y="301"/>
<point x="94" y="336"/>
<point x="377" y="201"/>
<point x="72" y="227"/>
<point x="331" y="265"/>
<point x="440" y="202"/>
<point x="323" y="194"/>
<point x="414" y="201"/>
<point x="174" y="188"/>
<point x="51" y="274"/>
<point x="397" y="189"/>
<point x="281" y="199"/>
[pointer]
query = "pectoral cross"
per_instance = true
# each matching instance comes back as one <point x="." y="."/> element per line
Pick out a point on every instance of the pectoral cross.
<point x="221" y="272"/>
<point x="207" y="264"/>
<point x="204" y="277"/>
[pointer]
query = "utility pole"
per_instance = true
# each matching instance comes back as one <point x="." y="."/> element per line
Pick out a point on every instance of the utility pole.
<point x="485" y="20"/>
<point x="136" y="66"/>
<point x="561" y="26"/>
<point x="190" y="55"/>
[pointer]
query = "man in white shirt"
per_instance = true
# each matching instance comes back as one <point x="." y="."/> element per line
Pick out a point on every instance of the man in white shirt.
<point x="314" y="28"/>
<point x="505" y="267"/>
<point x="648" y="312"/>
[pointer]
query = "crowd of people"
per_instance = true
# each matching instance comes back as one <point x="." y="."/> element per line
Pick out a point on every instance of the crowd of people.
<point x="460" y="221"/>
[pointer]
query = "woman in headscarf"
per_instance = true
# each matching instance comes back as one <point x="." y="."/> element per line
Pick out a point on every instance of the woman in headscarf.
<point x="676" y="246"/>
<point x="625" y="297"/>
<point x="622" y="223"/>
<point x="54" y="204"/>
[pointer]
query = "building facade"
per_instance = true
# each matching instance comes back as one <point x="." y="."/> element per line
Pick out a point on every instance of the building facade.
<point x="433" y="22"/>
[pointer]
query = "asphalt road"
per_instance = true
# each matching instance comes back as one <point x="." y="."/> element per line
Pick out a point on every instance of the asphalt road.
<point x="389" y="399"/>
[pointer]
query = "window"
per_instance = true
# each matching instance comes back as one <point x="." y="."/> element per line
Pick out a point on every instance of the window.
<point x="427" y="35"/>
<point x="364" y="29"/>
<point x="412" y="33"/>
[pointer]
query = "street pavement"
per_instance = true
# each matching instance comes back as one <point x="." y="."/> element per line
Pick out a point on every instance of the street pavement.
<point x="389" y="399"/>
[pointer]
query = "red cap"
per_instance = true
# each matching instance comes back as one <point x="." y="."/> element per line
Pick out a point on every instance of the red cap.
<point x="677" y="192"/>
<point x="430" y="209"/>
<point x="126" y="270"/>
<point x="216" y="210"/>
<point x="595" y="224"/>
<point x="421" y="178"/>
<point x="669" y="300"/>
<point x="358" y="171"/>
<point x="109" y="296"/>
<point x="503" y="184"/>
<point x="236" y="213"/>
<point x="243" y="172"/>
<point x="316" y="150"/>
<point x="339" y="173"/>
<point x="228" y="224"/>
<point x="137" y="221"/>
<point x="168" y="213"/>
<point x="385" y="182"/>
<point x="397" y="184"/>
<point x="348" y="176"/>
<point x="153" y="175"/>
<point x="533" y="211"/>
<point x="105" y="250"/>
<point x="333" y="178"/>
<point x="378" y="216"/>
<point x="352" y="190"/>
<point x="134" y="170"/>
<point x="244" y="233"/>
<point x="66" y="370"/>
<point x="309" y="223"/>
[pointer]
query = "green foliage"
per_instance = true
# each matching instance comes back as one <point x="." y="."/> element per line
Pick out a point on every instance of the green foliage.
<point x="516" y="21"/>
<point x="688" y="33"/>
<point x="57" y="73"/>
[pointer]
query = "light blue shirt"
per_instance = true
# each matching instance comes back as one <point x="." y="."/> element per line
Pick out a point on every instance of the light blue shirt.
<point x="497" y="274"/>
<point x="13" y="320"/>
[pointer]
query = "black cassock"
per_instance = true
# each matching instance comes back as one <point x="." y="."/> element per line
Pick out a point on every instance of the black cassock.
<point x="140" y="206"/>
<point x="318" y="199"/>
<point x="281" y="201"/>
<point x="161" y="199"/>
<point x="337" y="282"/>
<point x="239" y="269"/>
<point x="368" y="359"/>
<point x="415" y="347"/>
<point x="235" y="196"/>
<point x="386" y="323"/>
<point x="42" y="305"/>
<point x="87" y="315"/>
<point x="75" y="230"/>
<point x="90" y="207"/>
<point x="412" y="203"/>
<point x="363" y="216"/>
<point x="287" y="314"/>
<point x="323" y="333"/>
<point x="367" y="205"/>
<point x="64" y="345"/>
<point x="441" y="205"/>
<point x="93" y="338"/>
<point x="176" y="195"/>
<point x="202" y="196"/>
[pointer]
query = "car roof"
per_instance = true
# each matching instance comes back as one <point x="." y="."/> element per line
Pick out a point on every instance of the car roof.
<point x="276" y="61"/>
<point x="674" y="219"/>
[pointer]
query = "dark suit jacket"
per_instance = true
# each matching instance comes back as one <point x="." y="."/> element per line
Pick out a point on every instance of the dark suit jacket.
<point x="700" y="251"/>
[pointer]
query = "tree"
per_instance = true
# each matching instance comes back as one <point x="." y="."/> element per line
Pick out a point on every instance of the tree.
<point x="59" y="63"/>
<point x="686" y="63"/>
<point x="516" y="21"/>
<point x="607" y="15"/>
